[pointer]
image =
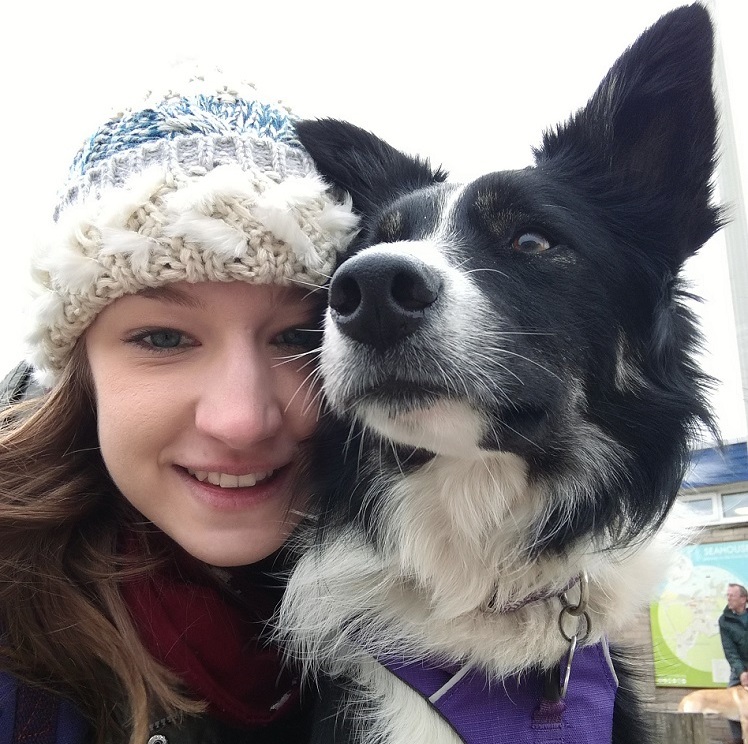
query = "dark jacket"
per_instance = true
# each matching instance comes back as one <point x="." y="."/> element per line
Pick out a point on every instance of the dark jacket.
<point x="734" y="637"/>
<point x="28" y="714"/>
<point x="206" y="730"/>
<point x="19" y="383"/>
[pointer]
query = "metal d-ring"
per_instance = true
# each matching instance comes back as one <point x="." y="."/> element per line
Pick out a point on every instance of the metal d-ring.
<point x="567" y="671"/>
<point x="584" y="595"/>
<point x="576" y="636"/>
<point x="579" y="612"/>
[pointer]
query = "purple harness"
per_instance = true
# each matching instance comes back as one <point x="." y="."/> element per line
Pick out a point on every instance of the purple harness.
<point x="29" y="715"/>
<point x="516" y="711"/>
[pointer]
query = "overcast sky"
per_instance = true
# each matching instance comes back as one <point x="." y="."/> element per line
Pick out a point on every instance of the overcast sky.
<point x="470" y="84"/>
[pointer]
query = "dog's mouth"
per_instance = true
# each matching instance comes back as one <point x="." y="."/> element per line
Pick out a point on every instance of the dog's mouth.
<point x="398" y="397"/>
<point x="423" y="415"/>
<point x="402" y="397"/>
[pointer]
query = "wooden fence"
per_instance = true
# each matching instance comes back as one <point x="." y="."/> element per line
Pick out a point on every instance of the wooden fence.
<point x="679" y="728"/>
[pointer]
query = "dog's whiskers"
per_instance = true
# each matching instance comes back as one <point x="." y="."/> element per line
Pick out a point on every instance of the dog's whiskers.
<point x="306" y="384"/>
<point x="531" y="361"/>
<point x="313" y="288"/>
<point x="493" y="271"/>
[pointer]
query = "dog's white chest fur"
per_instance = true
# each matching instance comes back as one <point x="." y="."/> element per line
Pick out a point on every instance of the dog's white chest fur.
<point x="425" y="591"/>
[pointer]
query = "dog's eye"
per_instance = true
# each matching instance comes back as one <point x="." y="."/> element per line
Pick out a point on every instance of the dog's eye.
<point x="531" y="242"/>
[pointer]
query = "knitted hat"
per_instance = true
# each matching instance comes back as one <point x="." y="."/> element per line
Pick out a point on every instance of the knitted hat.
<point x="205" y="184"/>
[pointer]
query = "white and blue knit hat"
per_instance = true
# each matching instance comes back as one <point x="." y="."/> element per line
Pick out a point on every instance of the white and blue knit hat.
<point x="205" y="184"/>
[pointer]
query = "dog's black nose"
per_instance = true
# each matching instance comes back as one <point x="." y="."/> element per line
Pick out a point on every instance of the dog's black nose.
<point x="379" y="298"/>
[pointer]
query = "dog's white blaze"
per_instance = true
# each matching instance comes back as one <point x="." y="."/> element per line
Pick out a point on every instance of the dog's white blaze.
<point x="448" y="427"/>
<point x="424" y="250"/>
<point x="443" y="233"/>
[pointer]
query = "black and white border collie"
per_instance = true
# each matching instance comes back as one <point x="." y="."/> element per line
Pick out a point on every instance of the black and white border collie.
<point x="510" y="364"/>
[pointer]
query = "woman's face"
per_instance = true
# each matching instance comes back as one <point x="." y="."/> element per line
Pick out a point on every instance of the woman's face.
<point x="204" y="410"/>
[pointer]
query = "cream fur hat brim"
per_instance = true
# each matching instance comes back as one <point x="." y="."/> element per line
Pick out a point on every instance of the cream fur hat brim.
<point x="206" y="185"/>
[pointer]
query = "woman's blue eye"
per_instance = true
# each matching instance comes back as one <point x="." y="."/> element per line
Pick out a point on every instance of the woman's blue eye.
<point x="303" y="338"/>
<point x="165" y="339"/>
<point x="162" y="339"/>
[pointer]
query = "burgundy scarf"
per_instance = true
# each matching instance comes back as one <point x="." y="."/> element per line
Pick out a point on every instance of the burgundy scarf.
<point x="212" y="638"/>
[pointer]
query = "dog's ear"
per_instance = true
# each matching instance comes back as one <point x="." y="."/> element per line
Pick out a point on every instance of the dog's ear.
<point x="648" y="136"/>
<point x="373" y="172"/>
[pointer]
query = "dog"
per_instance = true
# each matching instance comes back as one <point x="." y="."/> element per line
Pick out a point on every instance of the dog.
<point x="510" y="368"/>
<point x="727" y="702"/>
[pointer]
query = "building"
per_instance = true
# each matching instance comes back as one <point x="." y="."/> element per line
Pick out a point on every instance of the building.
<point x="679" y="637"/>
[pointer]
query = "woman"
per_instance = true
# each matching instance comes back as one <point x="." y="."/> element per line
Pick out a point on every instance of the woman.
<point x="146" y="493"/>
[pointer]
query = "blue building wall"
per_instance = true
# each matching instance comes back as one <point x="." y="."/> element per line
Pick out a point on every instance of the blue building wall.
<point x="717" y="466"/>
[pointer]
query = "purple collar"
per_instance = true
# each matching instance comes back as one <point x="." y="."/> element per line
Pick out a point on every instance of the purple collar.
<point x="515" y="711"/>
<point x="536" y="596"/>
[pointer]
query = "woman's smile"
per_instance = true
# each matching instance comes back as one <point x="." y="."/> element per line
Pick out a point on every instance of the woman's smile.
<point x="228" y="492"/>
<point x="228" y="480"/>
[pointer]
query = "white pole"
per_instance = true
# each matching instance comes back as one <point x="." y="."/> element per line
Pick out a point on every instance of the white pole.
<point x="731" y="194"/>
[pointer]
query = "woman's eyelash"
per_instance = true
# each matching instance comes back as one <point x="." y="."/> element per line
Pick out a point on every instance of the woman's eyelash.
<point x="305" y="338"/>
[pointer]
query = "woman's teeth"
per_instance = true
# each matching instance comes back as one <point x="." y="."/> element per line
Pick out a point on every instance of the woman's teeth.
<point x="224" y="480"/>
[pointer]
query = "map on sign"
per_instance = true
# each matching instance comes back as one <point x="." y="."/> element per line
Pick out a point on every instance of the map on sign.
<point x="685" y="634"/>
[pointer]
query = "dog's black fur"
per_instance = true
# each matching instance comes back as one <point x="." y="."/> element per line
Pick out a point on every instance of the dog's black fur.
<point x="540" y="313"/>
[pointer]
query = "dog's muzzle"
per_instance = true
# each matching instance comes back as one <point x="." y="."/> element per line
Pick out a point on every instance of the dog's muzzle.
<point x="378" y="299"/>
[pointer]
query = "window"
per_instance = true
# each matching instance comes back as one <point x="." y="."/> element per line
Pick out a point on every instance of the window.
<point x="715" y="508"/>
<point x="701" y="509"/>
<point x="735" y="505"/>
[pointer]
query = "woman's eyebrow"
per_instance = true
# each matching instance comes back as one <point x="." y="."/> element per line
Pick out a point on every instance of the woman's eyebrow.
<point x="172" y="295"/>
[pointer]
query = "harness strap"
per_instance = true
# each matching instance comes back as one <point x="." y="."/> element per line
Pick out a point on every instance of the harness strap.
<point x="37" y="713"/>
<point x="29" y="715"/>
<point x="526" y="709"/>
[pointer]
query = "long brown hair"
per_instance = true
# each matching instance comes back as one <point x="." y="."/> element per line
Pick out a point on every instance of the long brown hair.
<point x="63" y="623"/>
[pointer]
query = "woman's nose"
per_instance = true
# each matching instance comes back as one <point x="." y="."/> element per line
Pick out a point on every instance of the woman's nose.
<point x="238" y="404"/>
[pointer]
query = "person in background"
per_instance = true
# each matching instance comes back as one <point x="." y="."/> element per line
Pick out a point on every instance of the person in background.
<point x="148" y="487"/>
<point x="733" y="630"/>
